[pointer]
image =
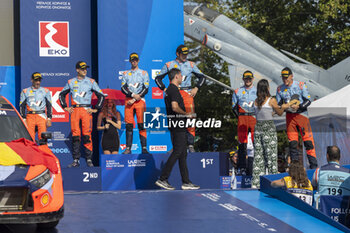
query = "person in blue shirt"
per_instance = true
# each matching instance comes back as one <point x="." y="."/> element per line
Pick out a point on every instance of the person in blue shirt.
<point x="188" y="68"/>
<point x="243" y="107"/>
<point x="135" y="84"/>
<point x="297" y="95"/>
<point x="332" y="178"/>
<point x="81" y="89"/>
<point x="37" y="101"/>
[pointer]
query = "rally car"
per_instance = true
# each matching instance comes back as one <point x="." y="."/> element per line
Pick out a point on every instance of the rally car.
<point x="31" y="189"/>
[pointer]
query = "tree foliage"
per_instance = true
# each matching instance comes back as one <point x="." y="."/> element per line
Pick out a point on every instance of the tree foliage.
<point x="315" y="30"/>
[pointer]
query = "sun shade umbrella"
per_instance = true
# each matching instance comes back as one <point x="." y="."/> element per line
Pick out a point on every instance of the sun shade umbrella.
<point x="111" y="94"/>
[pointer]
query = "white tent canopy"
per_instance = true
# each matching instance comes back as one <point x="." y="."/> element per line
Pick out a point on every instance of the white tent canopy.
<point x="329" y="118"/>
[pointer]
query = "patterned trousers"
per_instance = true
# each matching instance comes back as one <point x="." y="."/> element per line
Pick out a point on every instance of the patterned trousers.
<point x="265" y="154"/>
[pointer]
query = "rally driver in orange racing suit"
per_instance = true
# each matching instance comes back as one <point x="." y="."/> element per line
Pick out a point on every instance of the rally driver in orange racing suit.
<point x="81" y="88"/>
<point x="135" y="85"/>
<point x="297" y="95"/>
<point x="36" y="99"/>
<point x="243" y="107"/>
<point x="186" y="90"/>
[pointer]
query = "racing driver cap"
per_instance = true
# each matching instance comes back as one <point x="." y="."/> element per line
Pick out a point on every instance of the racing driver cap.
<point x="133" y="56"/>
<point x="36" y="76"/>
<point x="286" y="72"/>
<point x="182" y="49"/>
<point x="81" y="65"/>
<point x="248" y="74"/>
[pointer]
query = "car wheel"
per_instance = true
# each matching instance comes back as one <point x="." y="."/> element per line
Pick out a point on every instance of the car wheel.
<point x="48" y="224"/>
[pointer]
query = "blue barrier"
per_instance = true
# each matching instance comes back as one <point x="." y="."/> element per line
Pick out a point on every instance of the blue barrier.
<point x="282" y="195"/>
<point x="336" y="207"/>
<point x="140" y="171"/>
<point x="242" y="182"/>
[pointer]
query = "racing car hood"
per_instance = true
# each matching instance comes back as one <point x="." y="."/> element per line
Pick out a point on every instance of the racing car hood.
<point x="13" y="176"/>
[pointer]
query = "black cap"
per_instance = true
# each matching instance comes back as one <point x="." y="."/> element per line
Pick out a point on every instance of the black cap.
<point x="36" y="76"/>
<point x="182" y="49"/>
<point x="286" y="72"/>
<point x="248" y="74"/>
<point x="81" y="65"/>
<point x="133" y="56"/>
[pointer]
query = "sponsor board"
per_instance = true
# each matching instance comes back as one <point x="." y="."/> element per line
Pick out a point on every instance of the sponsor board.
<point x="112" y="163"/>
<point x="157" y="93"/>
<point x="53" y="38"/>
<point x="58" y="113"/>
<point x="158" y="148"/>
<point x="137" y="163"/>
<point x="60" y="150"/>
<point x="59" y="136"/>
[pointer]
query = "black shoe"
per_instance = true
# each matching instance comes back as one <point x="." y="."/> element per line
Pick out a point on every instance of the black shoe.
<point x="164" y="184"/>
<point x="191" y="149"/>
<point x="127" y="151"/>
<point x="89" y="163"/>
<point x="75" y="163"/>
<point x="144" y="150"/>
<point x="189" y="186"/>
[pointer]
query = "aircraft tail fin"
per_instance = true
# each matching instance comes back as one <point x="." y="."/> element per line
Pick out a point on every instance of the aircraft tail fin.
<point x="340" y="74"/>
<point x="236" y="71"/>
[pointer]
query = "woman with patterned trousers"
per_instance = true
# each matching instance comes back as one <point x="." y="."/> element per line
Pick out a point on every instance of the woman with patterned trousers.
<point x="265" y="136"/>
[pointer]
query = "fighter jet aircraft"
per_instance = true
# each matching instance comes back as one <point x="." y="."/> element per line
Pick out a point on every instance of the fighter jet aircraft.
<point x="243" y="50"/>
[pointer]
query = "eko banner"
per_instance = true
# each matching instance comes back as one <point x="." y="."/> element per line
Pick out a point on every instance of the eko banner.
<point x="55" y="34"/>
<point x="151" y="28"/>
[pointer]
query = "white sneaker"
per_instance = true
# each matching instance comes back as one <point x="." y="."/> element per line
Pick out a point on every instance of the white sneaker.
<point x="164" y="184"/>
<point x="189" y="186"/>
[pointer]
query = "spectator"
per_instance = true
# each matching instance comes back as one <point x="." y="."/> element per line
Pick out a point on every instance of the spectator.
<point x="282" y="163"/>
<point x="81" y="89"/>
<point x="265" y="137"/>
<point x="36" y="100"/>
<point x="135" y="85"/>
<point x="296" y="183"/>
<point x="331" y="179"/>
<point x="109" y="121"/>
<point x="233" y="171"/>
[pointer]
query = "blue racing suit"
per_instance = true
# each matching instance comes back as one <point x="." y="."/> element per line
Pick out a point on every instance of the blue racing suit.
<point x="243" y="107"/>
<point x="135" y="82"/>
<point x="36" y="101"/>
<point x="298" y="120"/>
<point x="81" y="93"/>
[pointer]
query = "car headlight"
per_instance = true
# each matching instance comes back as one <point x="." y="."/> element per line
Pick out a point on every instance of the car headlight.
<point x="41" y="179"/>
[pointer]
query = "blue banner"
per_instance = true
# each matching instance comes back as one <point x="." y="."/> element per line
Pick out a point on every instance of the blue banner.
<point x="153" y="29"/>
<point x="54" y="36"/>
<point x="336" y="207"/>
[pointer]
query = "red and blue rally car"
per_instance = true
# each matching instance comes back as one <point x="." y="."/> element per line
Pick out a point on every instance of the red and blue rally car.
<point x="31" y="189"/>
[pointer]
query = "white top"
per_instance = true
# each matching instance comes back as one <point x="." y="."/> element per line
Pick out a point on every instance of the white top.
<point x="265" y="113"/>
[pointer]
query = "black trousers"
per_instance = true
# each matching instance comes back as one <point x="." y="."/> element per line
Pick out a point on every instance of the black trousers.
<point x="179" y="140"/>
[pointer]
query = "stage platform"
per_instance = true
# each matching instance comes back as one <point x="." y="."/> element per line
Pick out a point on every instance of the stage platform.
<point x="183" y="211"/>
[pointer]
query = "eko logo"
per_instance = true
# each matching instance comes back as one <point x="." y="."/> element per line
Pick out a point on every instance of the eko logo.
<point x="58" y="114"/>
<point x="53" y="39"/>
